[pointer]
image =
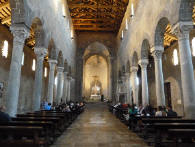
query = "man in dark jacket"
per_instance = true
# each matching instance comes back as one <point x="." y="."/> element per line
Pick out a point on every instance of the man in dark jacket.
<point x="171" y="113"/>
<point x="4" y="117"/>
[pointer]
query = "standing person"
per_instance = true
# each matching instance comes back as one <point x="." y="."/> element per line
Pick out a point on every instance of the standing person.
<point x="4" y="117"/>
<point x="102" y="97"/>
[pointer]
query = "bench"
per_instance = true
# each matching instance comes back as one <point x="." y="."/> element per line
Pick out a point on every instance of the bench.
<point x="18" y="136"/>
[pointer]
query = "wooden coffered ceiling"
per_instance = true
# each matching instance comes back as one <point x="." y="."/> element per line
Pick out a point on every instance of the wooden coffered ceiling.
<point x="90" y="15"/>
<point x="97" y="15"/>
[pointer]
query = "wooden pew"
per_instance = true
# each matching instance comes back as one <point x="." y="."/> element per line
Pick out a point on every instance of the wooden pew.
<point x="48" y="127"/>
<point x="56" y="120"/>
<point x="33" y="136"/>
<point x="162" y="130"/>
<point x="186" y="135"/>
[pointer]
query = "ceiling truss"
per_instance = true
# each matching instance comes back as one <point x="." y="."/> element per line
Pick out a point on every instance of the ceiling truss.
<point x="90" y="15"/>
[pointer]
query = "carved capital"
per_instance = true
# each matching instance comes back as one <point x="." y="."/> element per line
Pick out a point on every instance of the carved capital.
<point x="134" y="68"/>
<point x="143" y="63"/>
<point x="182" y="29"/>
<point x="40" y="52"/>
<point x="20" y="32"/>
<point x="157" y="52"/>
<point x="60" y="69"/>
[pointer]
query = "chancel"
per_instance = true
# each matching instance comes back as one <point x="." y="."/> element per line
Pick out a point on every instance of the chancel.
<point x="95" y="89"/>
<point x="97" y="73"/>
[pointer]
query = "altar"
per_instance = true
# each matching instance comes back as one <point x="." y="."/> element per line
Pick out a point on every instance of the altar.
<point x="95" y="97"/>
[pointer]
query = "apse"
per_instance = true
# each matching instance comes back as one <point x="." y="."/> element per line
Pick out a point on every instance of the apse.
<point x="95" y="78"/>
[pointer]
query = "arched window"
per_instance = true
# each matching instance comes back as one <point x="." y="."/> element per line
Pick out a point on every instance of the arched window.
<point x="175" y="57"/>
<point x="45" y="72"/>
<point x="33" y="65"/>
<point x="122" y="34"/>
<point x="56" y="81"/>
<point x="193" y="46"/>
<point x="23" y="58"/>
<point x="5" y="49"/>
<point x="126" y="24"/>
<point x="137" y="80"/>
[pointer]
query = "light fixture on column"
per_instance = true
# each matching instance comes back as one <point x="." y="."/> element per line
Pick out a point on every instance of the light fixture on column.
<point x="22" y="59"/>
<point x="33" y="65"/>
<point x="45" y="72"/>
<point x="132" y="11"/>
<point x="72" y="34"/>
<point x="122" y="35"/>
<point x="63" y="11"/>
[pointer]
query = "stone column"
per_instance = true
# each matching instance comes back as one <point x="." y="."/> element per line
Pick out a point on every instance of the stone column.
<point x="20" y="33"/>
<point x="145" y="99"/>
<point x="182" y="30"/>
<point x="134" y="70"/>
<point x="64" y="97"/>
<point x="59" y="84"/>
<point x="72" y="89"/>
<point x="127" y="77"/>
<point x="160" y="94"/>
<point x="68" y="88"/>
<point x="52" y="65"/>
<point x="37" y="93"/>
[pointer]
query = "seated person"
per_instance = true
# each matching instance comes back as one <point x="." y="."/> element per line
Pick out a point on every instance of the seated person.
<point x="47" y="106"/>
<point x="4" y="117"/>
<point x="160" y="112"/>
<point x="171" y="113"/>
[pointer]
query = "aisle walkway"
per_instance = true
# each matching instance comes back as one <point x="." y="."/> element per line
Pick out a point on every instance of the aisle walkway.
<point x="97" y="127"/>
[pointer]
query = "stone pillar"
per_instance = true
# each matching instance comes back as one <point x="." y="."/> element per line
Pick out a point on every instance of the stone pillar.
<point x="145" y="99"/>
<point x="37" y="93"/>
<point x="72" y="89"/>
<point x="182" y="30"/>
<point x="134" y="70"/>
<point x="157" y="54"/>
<point x="20" y="33"/>
<point x="127" y="77"/>
<point x="68" y="88"/>
<point x="64" y="97"/>
<point x="59" y="84"/>
<point x="52" y="65"/>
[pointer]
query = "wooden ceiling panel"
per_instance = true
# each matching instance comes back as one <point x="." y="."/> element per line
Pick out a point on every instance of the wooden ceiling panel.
<point x="97" y="15"/>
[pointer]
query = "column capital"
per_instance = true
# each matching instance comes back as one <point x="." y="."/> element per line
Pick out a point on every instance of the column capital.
<point x="65" y="73"/>
<point x="134" y="68"/>
<point x="40" y="52"/>
<point x="182" y="29"/>
<point x="143" y="63"/>
<point x="60" y="69"/>
<point x="52" y="61"/>
<point x="127" y="74"/>
<point x="157" y="52"/>
<point x="20" y="32"/>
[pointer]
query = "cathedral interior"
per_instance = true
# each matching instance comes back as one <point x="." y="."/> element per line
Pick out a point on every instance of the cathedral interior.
<point x="105" y="54"/>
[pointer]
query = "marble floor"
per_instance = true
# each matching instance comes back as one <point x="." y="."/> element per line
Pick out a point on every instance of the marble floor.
<point x="97" y="127"/>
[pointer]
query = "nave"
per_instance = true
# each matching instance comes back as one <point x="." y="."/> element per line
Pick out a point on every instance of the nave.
<point x="97" y="127"/>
